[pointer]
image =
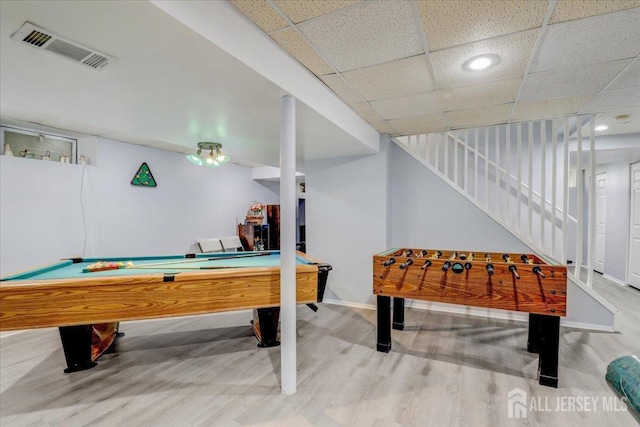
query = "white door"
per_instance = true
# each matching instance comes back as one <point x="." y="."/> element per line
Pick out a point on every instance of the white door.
<point x="601" y="218"/>
<point x="634" y="243"/>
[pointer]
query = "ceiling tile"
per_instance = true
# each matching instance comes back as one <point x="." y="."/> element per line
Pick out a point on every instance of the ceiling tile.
<point x="630" y="77"/>
<point x="591" y="40"/>
<point x="391" y="80"/>
<point x="452" y="23"/>
<point x="628" y="97"/>
<point x="293" y="43"/>
<point x="383" y="127"/>
<point x="479" y="95"/>
<point x="407" y="106"/>
<point x="342" y="89"/>
<point x="569" y="10"/>
<point x="366" y="112"/>
<point x="370" y="33"/>
<point x="418" y="125"/>
<point x="483" y="116"/>
<point x="260" y="13"/>
<point x="549" y="108"/>
<point x="303" y="10"/>
<point x="570" y="81"/>
<point x="514" y="50"/>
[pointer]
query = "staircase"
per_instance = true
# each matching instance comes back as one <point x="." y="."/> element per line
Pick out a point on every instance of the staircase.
<point x="524" y="176"/>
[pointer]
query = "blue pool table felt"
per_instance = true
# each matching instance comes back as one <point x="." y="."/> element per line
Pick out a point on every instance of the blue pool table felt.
<point x="67" y="269"/>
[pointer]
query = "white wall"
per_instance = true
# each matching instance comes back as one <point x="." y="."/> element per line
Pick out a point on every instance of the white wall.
<point x="346" y="217"/>
<point x="51" y="211"/>
<point x="617" y="220"/>
<point x="427" y="212"/>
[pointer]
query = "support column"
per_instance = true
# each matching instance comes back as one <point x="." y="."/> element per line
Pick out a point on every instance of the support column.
<point x="288" y="357"/>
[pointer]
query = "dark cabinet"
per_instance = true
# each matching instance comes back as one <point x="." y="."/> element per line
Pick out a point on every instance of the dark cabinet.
<point x="254" y="237"/>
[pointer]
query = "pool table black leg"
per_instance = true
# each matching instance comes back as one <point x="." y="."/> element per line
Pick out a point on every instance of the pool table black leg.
<point x="398" y="314"/>
<point x="384" y="324"/>
<point x="76" y="343"/>
<point x="268" y="318"/>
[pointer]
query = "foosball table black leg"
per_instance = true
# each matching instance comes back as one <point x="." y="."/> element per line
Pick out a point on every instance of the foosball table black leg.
<point x="398" y="313"/>
<point x="384" y="324"/>
<point x="549" y="343"/>
<point x="76" y="344"/>
<point x="535" y="333"/>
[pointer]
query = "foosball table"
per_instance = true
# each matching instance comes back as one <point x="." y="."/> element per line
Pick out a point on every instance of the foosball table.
<point x="517" y="282"/>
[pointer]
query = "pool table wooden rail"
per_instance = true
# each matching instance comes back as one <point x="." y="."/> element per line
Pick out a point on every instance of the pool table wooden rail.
<point x="26" y="304"/>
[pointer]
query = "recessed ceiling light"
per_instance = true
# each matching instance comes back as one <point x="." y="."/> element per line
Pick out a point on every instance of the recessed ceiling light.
<point x="481" y="62"/>
<point x="601" y="127"/>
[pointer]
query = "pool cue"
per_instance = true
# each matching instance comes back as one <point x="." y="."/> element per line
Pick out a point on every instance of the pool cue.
<point x="184" y="261"/>
<point x="213" y="267"/>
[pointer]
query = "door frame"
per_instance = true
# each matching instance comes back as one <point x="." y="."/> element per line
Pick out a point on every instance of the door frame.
<point x="594" y="181"/>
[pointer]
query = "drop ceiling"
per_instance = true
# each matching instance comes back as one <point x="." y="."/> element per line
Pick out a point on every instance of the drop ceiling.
<point x="356" y="67"/>
<point x="398" y="64"/>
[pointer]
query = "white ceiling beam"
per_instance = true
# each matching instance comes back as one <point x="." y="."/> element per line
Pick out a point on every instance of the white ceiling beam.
<point x="220" y="23"/>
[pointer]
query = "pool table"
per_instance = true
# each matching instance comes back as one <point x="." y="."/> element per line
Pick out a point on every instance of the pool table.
<point x="87" y="306"/>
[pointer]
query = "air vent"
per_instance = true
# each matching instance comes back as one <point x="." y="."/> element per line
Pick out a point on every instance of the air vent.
<point x="48" y="40"/>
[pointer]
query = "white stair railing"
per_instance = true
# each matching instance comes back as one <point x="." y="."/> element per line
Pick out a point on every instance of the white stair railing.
<point x="522" y="176"/>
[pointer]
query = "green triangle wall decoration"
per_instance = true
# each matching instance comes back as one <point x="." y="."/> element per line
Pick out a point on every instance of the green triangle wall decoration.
<point x="143" y="177"/>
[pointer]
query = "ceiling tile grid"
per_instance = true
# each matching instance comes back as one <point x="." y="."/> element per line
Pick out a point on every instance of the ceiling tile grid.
<point x="549" y="108"/>
<point x="303" y="10"/>
<point x="337" y="84"/>
<point x="569" y="10"/>
<point x="393" y="79"/>
<point x="478" y="95"/>
<point x="628" y="97"/>
<point x="630" y="77"/>
<point x="384" y="127"/>
<point x="570" y="81"/>
<point x="422" y="124"/>
<point x="577" y="62"/>
<point x="260" y="13"/>
<point x="407" y="106"/>
<point x="483" y="116"/>
<point x="514" y="50"/>
<point x="449" y="23"/>
<point x="590" y="41"/>
<point x="366" y="112"/>
<point x="369" y="33"/>
<point x="293" y="43"/>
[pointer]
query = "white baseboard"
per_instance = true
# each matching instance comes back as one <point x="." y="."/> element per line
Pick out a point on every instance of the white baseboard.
<point x="349" y="304"/>
<point x="468" y="310"/>
<point x="587" y="326"/>
<point x="474" y="311"/>
<point x="614" y="280"/>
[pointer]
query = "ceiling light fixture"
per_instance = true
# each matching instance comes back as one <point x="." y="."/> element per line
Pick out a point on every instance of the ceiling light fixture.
<point x="601" y="127"/>
<point x="213" y="158"/>
<point x="481" y="62"/>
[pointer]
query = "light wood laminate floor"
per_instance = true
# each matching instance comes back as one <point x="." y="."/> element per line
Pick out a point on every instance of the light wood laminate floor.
<point x="443" y="370"/>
